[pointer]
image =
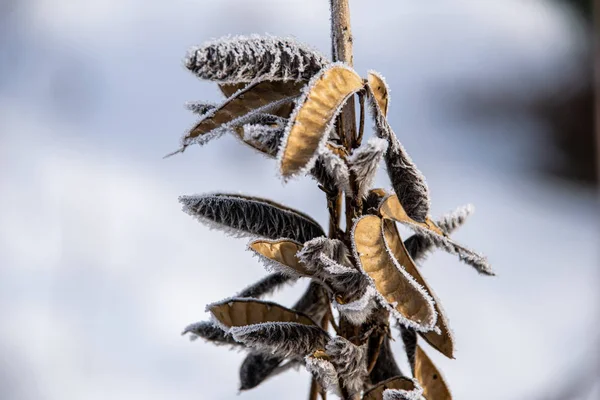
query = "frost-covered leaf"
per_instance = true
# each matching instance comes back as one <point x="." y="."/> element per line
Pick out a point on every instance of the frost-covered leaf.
<point x="265" y="138"/>
<point x="283" y="339"/>
<point x="358" y="311"/>
<point x="209" y="331"/>
<point x="280" y="255"/>
<point x="372" y="201"/>
<point x="440" y="338"/>
<point x="426" y="373"/>
<point x="397" y="290"/>
<point x="350" y="362"/>
<point x="257" y="367"/>
<point x="408" y="182"/>
<point x="385" y="366"/>
<point x="246" y="58"/>
<point x="396" y="386"/>
<point x="314" y="115"/>
<point x="365" y="161"/>
<point x="265" y="286"/>
<point x="251" y="216"/>
<point x="258" y="97"/>
<point x="241" y="312"/>
<point x="314" y="302"/>
<point x="392" y="209"/>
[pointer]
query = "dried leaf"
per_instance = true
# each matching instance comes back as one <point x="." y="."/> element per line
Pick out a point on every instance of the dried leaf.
<point x="399" y="384"/>
<point x="335" y="170"/>
<point x="372" y="201"/>
<point x="365" y="161"/>
<point x="392" y="209"/>
<point x="264" y="138"/>
<point x="405" y="298"/>
<point x="409" y="339"/>
<point x="314" y="115"/>
<point x="251" y="216"/>
<point x="241" y="312"/>
<point x="244" y="59"/>
<point x="442" y="340"/>
<point x="434" y="385"/>
<point x="265" y="286"/>
<point x="408" y="182"/>
<point x="255" y="98"/>
<point x="280" y="255"/>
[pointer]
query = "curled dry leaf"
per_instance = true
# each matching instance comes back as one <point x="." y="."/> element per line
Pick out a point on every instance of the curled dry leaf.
<point x="398" y="383"/>
<point x="256" y="97"/>
<point x="442" y="340"/>
<point x="426" y="373"/>
<point x="408" y="301"/>
<point x="314" y="115"/>
<point x="251" y="216"/>
<point x="282" y="252"/>
<point x="239" y="312"/>
<point x="392" y="209"/>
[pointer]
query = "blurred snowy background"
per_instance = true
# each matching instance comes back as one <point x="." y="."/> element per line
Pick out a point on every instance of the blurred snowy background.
<point x="100" y="270"/>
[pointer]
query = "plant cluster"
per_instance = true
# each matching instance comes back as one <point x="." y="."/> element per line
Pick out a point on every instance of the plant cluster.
<point x="285" y="101"/>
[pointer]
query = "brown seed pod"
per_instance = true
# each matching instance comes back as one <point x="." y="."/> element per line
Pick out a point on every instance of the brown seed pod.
<point x="408" y="301"/>
<point x="380" y="91"/>
<point x="426" y="373"/>
<point x="314" y="115"/>
<point x="288" y="88"/>
<point x="280" y="255"/>
<point x="442" y="341"/>
<point x="398" y="383"/>
<point x="242" y="312"/>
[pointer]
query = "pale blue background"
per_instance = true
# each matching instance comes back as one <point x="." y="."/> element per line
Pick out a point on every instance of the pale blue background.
<point x="100" y="270"/>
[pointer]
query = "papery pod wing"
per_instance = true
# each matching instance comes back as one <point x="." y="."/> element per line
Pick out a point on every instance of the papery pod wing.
<point x="251" y="216"/>
<point x="380" y="91"/>
<point x="408" y="182"/>
<point x="407" y="300"/>
<point x="395" y="383"/>
<point x="442" y="341"/>
<point x="392" y="209"/>
<point x="280" y="255"/>
<point x="288" y="88"/>
<point x="256" y="97"/>
<point x="239" y="312"/>
<point x="426" y="373"/>
<point x="313" y="117"/>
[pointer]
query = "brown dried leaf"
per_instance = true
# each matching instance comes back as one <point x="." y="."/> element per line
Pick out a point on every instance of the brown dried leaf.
<point x="379" y="90"/>
<point x="243" y="312"/>
<point x="252" y="97"/>
<point x="281" y="251"/>
<point x="434" y="385"/>
<point x="444" y="341"/>
<point x="391" y="280"/>
<point x="314" y="115"/>
<point x="395" y="383"/>
<point x="289" y="88"/>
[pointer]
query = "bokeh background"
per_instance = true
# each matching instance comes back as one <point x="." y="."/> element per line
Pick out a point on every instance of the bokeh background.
<point x="100" y="270"/>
